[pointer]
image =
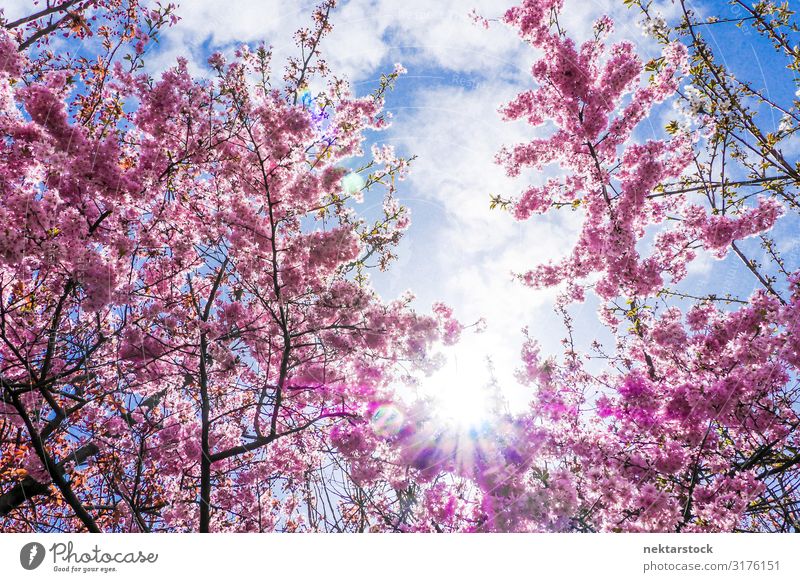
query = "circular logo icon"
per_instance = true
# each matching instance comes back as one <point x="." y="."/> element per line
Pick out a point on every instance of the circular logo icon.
<point x="31" y="555"/>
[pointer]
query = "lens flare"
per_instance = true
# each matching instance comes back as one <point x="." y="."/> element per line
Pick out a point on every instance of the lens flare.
<point x="387" y="420"/>
<point x="306" y="99"/>
<point x="352" y="183"/>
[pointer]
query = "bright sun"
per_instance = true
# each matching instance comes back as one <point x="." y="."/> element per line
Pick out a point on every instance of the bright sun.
<point x="460" y="394"/>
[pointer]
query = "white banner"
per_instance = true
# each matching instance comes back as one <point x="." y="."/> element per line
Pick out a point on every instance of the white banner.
<point x="385" y="557"/>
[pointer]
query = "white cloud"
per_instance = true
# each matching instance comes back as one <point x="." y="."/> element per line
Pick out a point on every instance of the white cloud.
<point x="461" y="252"/>
<point x="366" y="33"/>
<point x="14" y="9"/>
<point x="209" y="25"/>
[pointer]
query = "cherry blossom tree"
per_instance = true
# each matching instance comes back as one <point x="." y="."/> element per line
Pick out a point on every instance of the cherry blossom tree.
<point x="688" y="422"/>
<point x="189" y="338"/>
